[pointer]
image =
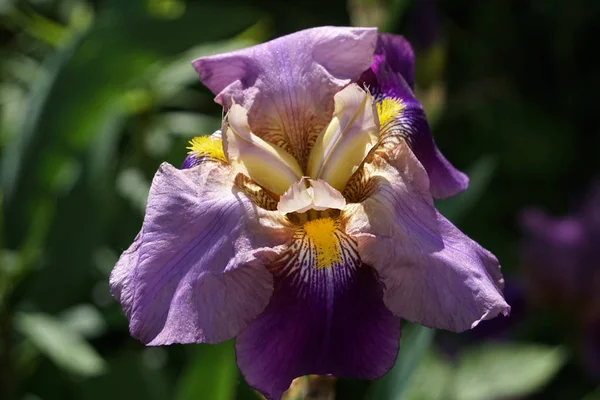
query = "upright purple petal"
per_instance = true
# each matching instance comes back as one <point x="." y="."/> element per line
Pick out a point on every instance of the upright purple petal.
<point x="191" y="275"/>
<point x="391" y="76"/>
<point x="433" y="274"/>
<point x="288" y="84"/>
<point x="396" y="52"/>
<point x="322" y="321"/>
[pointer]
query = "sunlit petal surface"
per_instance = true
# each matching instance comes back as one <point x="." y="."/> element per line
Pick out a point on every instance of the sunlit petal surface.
<point x="288" y="84"/>
<point x="190" y="275"/>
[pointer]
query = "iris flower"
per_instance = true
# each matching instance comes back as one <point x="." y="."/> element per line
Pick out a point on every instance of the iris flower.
<point x="562" y="263"/>
<point x="306" y="227"/>
<point x="561" y="254"/>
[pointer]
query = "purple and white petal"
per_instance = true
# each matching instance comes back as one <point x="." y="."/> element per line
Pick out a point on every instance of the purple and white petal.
<point x="329" y="320"/>
<point x="191" y="274"/>
<point x="288" y="84"/>
<point x="391" y="76"/>
<point x="433" y="274"/>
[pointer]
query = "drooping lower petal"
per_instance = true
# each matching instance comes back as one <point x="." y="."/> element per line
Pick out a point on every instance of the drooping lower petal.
<point x="326" y="316"/>
<point x="288" y="84"/>
<point x="191" y="274"/>
<point x="432" y="272"/>
<point x="391" y="77"/>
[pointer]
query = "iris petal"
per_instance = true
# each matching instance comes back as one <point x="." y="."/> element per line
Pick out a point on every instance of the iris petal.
<point x="329" y="320"/>
<point x="391" y="76"/>
<point x="341" y="148"/>
<point x="288" y="84"/>
<point x="432" y="272"/>
<point x="268" y="165"/>
<point x="191" y="275"/>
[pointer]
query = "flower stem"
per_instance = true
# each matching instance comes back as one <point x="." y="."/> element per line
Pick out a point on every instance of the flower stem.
<point x="311" y="387"/>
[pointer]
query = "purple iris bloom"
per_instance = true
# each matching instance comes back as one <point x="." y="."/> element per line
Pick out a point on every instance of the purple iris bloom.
<point x="561" y="254"/>
<point x="306" y="226"/>
<point x="563" y="265"/>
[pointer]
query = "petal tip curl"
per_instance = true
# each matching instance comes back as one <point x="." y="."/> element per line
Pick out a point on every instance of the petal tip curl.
<point x="491" y="314"/>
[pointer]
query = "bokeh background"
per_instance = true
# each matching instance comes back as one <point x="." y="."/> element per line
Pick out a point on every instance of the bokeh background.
<point x="94" y="95"/>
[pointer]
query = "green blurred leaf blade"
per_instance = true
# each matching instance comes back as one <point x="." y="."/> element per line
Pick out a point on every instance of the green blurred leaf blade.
<point x="431" y="380"/>
<point x="64" y="346"/>
<point x="489" y="371"/>
<point x="415" y="341"/>
<point x="211" y="374"/>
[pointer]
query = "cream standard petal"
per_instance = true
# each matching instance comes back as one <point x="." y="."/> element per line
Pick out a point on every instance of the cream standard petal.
<point x="344" y="144"/>
<point x="268" y="165"/>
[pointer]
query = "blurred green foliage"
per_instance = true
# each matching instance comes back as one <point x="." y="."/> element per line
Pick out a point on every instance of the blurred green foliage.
<point x="95" y="95"/>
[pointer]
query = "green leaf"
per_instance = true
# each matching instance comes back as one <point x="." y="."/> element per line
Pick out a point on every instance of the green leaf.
<point x="480" y="175"/>
<point x="13" y="159"/>
<point x="415" y="341"/>
<point x="431" y="380"/>
<point x="211" y="374"/>
<point x="64" y="346"/>
<point x="489" y="371"/>
<point x="84" y="319"/>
